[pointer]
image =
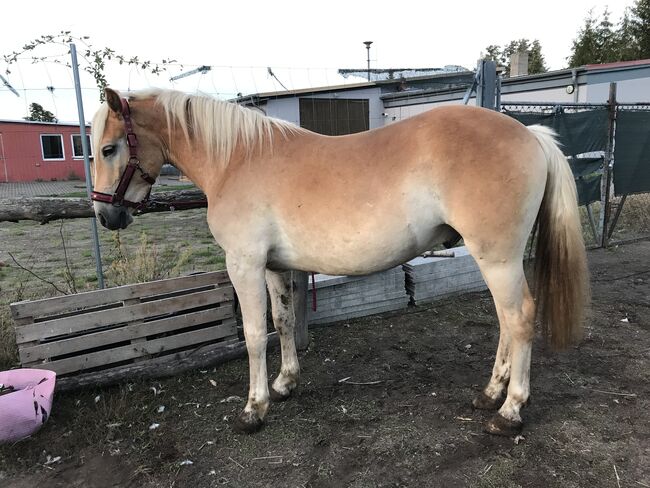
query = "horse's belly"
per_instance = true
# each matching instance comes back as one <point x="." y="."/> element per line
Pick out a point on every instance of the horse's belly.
<point x="358" y="229"/>
<point x="381" y="241"/>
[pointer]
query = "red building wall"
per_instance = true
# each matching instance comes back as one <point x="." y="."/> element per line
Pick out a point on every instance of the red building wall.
<point x="21" y="157"/>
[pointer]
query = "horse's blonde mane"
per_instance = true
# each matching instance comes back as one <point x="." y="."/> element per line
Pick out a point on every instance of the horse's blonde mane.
<point x="98" y="125"/>
<point x="220" y="125"/>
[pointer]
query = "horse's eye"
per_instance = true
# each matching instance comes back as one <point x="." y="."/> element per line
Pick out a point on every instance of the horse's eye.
<point x="108" y="151"/>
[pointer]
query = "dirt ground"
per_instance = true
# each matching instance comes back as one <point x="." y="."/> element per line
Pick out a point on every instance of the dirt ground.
<point x="588" y="424"/>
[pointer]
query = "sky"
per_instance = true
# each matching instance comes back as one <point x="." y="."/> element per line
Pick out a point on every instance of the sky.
<point x="304" y="42"/>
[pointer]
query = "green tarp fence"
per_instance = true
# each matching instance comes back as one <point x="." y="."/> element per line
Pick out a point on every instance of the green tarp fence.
<point x="632" y="152"/>
<point x="583" y="139"/>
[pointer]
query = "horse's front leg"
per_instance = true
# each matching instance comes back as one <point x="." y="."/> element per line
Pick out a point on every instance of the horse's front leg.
<point x="284" y="319"/>
<point x="247" y="276"/>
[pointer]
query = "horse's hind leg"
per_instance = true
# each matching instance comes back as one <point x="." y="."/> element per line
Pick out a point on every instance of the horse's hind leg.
<point x="516" y="310"/>
<point x="281" y="294"/>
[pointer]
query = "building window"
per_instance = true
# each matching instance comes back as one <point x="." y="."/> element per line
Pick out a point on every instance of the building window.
<point x="334" y="116"/>
<point x="77" y="150"/>
<point x="52" y="147"/>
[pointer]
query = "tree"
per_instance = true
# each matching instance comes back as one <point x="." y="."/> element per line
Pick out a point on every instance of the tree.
<point x="640" y="27"/>
<point x="92" y="60"/>
<point x="536" y="62"/>
<point x="626" y="39"/>
<point x="38" y="114"/>
<point x="599" y="41"/>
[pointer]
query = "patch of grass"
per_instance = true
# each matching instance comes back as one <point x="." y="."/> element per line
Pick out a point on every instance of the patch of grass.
<point x="8" y="349"/>
<point x="218" y="261"/>
<point x="205" y="253"/>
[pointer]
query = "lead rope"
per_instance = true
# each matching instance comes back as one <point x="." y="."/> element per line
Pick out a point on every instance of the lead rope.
<point x="313" y="292"/>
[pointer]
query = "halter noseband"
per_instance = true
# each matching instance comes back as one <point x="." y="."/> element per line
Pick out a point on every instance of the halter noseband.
<point x="117" y="199"/>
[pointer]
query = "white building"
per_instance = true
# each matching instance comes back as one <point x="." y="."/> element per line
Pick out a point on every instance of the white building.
<point x="352" y="108"/>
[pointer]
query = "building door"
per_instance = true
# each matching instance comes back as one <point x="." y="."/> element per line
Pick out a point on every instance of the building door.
<point x="334" y="116"/>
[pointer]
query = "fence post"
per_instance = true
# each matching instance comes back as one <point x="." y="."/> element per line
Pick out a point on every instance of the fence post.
<point x="606" y="180"/>
<point x="487" y="85"/>
<point x="300" y="289"/>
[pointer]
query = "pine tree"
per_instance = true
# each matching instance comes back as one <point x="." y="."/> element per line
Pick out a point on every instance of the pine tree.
<point x="627" y="43"/>
<point x="38" y="114"/>
<point x="640" y="26"/>
<point x="599" y="42"/>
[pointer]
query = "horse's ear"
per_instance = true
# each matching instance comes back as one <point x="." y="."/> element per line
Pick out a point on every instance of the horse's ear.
<point x="113" y="99"/>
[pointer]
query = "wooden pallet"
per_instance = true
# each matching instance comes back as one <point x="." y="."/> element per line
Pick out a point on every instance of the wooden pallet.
<point x="133" y="327"/>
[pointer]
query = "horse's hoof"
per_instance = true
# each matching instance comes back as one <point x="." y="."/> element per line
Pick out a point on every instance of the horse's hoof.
<point x="276" y="396"/>
<point x="484" y="402"/>
<point x="247" y="423"/>
<point x="499" y="425"/>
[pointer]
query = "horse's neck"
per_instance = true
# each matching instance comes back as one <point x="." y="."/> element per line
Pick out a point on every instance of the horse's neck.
<point x="190" y="158"/>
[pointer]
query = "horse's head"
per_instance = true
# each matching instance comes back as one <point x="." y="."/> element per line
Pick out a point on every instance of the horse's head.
<point x="128" y="157"/>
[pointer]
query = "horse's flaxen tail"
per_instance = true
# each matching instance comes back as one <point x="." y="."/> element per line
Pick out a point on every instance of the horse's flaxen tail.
<point x="561" y="276"/>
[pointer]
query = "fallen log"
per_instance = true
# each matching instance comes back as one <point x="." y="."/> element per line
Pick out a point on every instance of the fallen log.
<point x="46" y="209"/>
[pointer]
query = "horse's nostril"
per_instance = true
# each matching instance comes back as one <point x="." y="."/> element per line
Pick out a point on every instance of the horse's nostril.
<point x="123" y="217"/>
<point x="102" y="220"/>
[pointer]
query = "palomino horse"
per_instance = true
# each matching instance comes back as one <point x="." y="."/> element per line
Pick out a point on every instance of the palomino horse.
<point x="283" y="198"/>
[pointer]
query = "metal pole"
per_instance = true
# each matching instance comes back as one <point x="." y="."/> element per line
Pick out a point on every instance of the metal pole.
<point x="619" y="209"/>
<point x="368" y="43"/>
<point x="606" y="178"/>
<point x="84" y="146"/>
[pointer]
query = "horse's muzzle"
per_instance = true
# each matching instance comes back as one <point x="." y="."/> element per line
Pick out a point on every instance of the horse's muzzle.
<point x="114" y="218"/>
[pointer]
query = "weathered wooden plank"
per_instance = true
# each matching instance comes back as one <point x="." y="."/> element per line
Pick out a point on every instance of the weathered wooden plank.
<point x="57" y="305"/>
<point x="450" y="281"/>
<point x="442" y="274"/>
<point x="93" y="320"/>
<point x="327" y="280"/>
<point x="361" y="287"/>
<point x="124" y="333"/>
<point x="170" y="365"/>
<point x="131" y="351"/>
<point x="360" y="309"/>
<point x="356" y="300"/>
<point x="364" y="292"/>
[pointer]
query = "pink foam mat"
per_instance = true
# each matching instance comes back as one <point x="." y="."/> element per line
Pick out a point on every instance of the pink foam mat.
<point x="27" y="405"/>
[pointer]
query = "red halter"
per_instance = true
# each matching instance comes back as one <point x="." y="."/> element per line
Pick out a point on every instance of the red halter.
<point x="117" y="199"/>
